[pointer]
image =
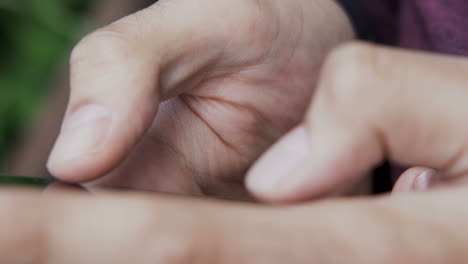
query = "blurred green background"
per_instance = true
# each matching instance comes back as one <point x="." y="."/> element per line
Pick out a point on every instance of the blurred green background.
<point x="35" y="37"/>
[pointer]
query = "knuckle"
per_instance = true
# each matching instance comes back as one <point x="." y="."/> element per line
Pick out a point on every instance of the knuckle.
<point x="175" y="250"/>
<point x="104" y="46"/>
<point x="347" y="75"/>
<point x="178" y="239"/>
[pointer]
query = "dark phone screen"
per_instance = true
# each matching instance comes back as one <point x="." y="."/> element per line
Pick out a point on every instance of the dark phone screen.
<point x="17" y="181"/>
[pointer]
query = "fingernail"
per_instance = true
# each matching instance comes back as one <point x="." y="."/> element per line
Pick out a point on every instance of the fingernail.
<point x="426" y="180"/>
<point x="270" y="171"/>
<point x="82" y="133"/>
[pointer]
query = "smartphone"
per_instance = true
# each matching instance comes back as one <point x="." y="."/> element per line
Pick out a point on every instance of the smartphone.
<point x="17" y="181"/>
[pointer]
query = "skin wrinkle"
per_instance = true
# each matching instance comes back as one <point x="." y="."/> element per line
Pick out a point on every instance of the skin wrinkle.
<point x="234" y="182"/>
<point x="218" y="136"/>
<point x="185" y="163"/>
<point x="275" y="130"/>
<point x="261" y="117"/>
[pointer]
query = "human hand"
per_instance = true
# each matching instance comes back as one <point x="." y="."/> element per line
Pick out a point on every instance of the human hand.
<point x="183" y="96"/>
<point x="373" y="103"/>
<point x="57" y="228"/>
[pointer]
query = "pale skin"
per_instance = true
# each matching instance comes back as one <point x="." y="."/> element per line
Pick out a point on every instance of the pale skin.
<point x="185" y="95"/>
<point x="371" y="103"/>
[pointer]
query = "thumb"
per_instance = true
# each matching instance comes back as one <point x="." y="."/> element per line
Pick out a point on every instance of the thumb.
<point x="368" y="107"/>
<point x="121" y="73"/>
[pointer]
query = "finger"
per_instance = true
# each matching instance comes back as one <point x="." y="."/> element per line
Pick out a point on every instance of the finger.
<point x="372" y="103"/>
<point x="121" y="73"/>
<point x="416" y="179"/>
<point x="409" y="228"/>
<point x="137" y="229"/>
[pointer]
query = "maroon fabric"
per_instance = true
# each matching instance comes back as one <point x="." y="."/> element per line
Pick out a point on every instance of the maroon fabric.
<point x="433" y="25"/>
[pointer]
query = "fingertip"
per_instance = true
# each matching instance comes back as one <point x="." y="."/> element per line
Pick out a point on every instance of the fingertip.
<point x="77" y="153"/>
<point x="417" y="179"/>
<point x="78" y="171"/>
<point x="305" y="165"/>
<point x="273" y="178"/>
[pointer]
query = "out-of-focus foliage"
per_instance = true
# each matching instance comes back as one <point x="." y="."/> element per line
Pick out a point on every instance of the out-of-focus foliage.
<point x="35" y="36"/>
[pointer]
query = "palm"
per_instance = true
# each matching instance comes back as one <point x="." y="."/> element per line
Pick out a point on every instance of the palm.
<point x="204" y="139"/>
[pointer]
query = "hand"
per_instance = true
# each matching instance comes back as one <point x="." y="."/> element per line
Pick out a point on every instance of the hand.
<point x="62" y="228"/>
<point x="373" y="103"/>
<point x="413" y="228"/>
<point x="185" y="95"/>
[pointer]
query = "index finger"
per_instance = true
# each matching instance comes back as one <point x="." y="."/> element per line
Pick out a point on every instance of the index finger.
<point x="372" y="103"/>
